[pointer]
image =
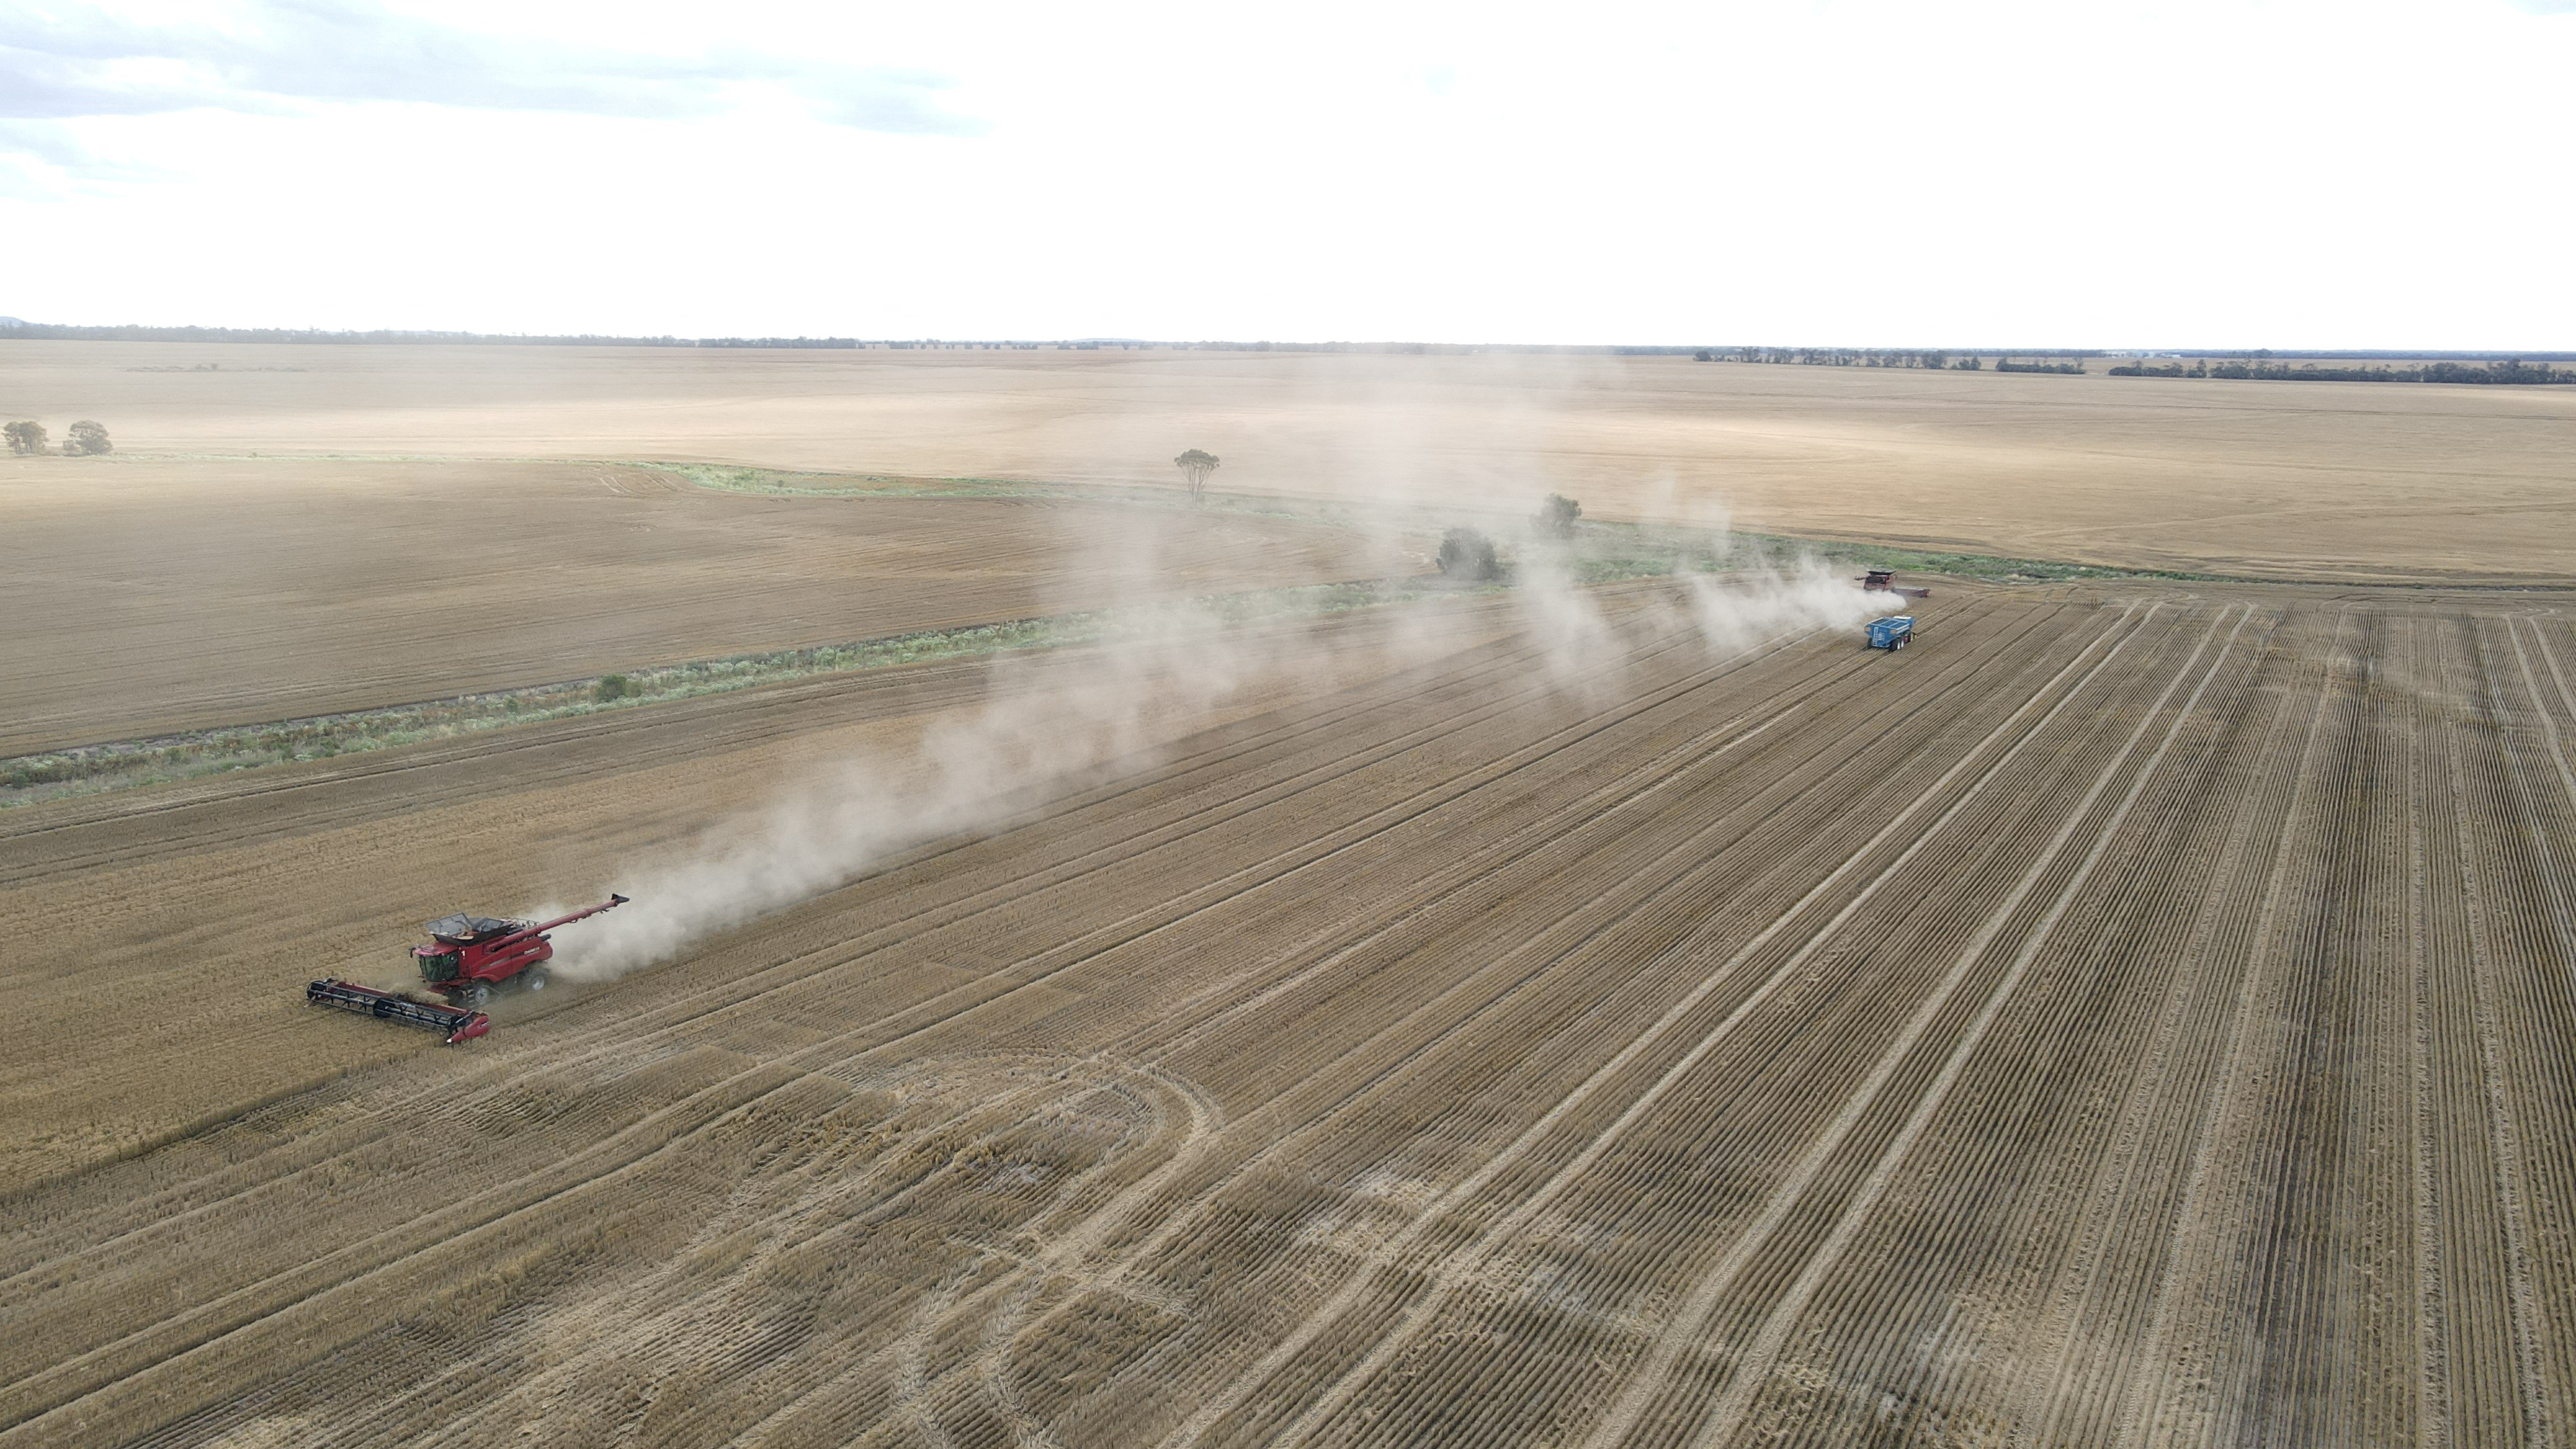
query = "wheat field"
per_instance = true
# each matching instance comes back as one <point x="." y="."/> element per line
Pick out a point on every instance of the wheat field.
<point x="2137" y="1013"/>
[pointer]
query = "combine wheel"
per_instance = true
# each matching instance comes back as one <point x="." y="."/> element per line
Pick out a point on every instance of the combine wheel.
<point x="479" y="995"/>
<point x="535" y="978"/>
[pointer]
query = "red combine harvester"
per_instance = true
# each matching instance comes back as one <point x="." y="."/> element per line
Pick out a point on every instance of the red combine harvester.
<point x="466" y="958"/>
<point x="1883" y="581"/>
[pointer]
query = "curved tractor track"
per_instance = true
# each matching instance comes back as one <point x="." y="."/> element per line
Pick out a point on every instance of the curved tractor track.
<point x="2129" y="1019"/>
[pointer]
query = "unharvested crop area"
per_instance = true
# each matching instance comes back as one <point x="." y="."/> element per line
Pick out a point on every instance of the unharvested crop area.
<point x="154" y="595"/>
<point x="2131" y="1016"/>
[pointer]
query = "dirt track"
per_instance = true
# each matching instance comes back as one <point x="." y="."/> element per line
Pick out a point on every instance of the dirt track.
<point x="2132" y="1019"/>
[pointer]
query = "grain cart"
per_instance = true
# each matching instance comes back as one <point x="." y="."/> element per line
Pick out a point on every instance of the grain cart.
<point x="466" y="958"/>
<point x="1891" y="631"/>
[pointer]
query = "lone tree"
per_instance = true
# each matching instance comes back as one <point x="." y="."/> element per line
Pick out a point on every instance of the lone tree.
<point x="1467" y="554"/>
<point x="87" y="439"/>
<point x="1195" y="465"/>
<point x="1556" y="516"/>
<point x="25" y="438"/>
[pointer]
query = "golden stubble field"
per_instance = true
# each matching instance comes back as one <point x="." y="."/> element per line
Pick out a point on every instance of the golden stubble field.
<point x="2280" y="479"/>
<point x="2137" y="1014"/>
<point x="2127" y="1017"/>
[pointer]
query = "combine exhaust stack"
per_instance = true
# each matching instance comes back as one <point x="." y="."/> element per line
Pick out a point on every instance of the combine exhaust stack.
<point x="456" y="1022"/>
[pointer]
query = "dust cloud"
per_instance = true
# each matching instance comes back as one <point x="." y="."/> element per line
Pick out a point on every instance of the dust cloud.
<point x="1056" y="721"/>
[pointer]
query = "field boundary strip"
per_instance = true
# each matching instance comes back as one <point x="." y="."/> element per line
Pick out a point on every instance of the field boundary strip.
<point x="104" y="766"/>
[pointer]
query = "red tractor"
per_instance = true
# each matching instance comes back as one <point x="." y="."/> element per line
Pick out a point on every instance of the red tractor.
<point x="466" y="958"/>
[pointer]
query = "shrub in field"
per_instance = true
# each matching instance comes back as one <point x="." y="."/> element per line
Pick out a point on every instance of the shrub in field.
<point x="87" y="439"/>
<point x="611" y="687"/>
<point x="1467" y="554"/>
<point x="1556" y="516"/>
<point x="25" y="439"/>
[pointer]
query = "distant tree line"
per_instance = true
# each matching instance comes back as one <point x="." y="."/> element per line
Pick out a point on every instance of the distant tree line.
<point x="2511" y="373"/>
<point x="2007" y="364"/>
<point x="1841" y="357"/>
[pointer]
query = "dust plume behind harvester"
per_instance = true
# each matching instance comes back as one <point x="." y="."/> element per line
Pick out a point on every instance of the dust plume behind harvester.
<point x="468" y="958"/>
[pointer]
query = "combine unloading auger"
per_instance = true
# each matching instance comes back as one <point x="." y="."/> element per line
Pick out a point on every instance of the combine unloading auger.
<point x="466" y="959"/>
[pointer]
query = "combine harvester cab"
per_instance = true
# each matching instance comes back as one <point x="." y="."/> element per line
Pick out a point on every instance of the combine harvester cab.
<point x="1883" y="581"/>
<point x="1891" y="631"/>
<point x="466" y="958"/>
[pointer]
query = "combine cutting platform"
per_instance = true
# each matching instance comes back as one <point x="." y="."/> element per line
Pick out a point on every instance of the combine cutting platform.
<point x="457" y="1022"/>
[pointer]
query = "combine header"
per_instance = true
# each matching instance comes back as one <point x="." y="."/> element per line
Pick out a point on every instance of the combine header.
<point x="457" y="1022"/>
<point x="1883" y="581"/>
<point x="466" y="958"/>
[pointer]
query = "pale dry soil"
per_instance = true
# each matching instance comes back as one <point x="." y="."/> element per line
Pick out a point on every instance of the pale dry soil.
<point x="2129" y="1016"/>
<point x="2277" y="479"/>
<point x="150" y="596"/>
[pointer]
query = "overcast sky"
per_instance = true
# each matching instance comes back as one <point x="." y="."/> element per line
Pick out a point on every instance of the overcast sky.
<point x="1913" y="172"/>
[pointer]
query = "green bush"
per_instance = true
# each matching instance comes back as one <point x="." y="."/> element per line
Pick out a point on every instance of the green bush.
<point x="1556" y="516"/>
<point x="1467" y="554"/>
<point x="613" y="687"/>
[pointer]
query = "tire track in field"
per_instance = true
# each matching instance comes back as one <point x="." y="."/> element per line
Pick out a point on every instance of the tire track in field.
<point x="1752" y="1372"/>
<point x="1212" y="1411"/>
<point x="2196" y="1252"/>
<point x="636" y="1132"/>
<point x="2044" y="1398"/>
<point x="878" y="1189"/>
<point x="2510" y="1149"/>
<point x="1180" y="1218"/>
<point x="1318" y="1122"/>
<point x="622" y="1037"/>
<point x="1688" y="1323"/>
<point x="2434" y="1313"/>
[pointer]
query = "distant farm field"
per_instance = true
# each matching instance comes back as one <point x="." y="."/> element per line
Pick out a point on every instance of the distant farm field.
<point x="2301" y="480"/>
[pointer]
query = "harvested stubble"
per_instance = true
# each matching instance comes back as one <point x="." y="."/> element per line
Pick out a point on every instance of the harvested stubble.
<point x="2131" y="1019"/>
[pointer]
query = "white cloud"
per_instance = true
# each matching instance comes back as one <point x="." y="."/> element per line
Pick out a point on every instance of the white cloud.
<point x="2286" y="174"/>
<point x="274" y="55"/>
